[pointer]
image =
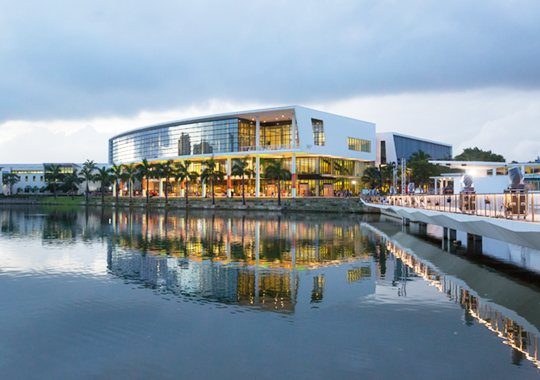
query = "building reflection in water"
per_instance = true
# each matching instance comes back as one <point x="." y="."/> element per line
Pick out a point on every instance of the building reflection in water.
<point x="256" y="262"/>
<point x="247" y="262"/>
<point x="523" y="342"/>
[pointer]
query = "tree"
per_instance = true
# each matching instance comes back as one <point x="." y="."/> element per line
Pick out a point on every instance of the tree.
<point x="52" y="175"/>
<point x="387" y="174"/>
<point x="212" y="173"/>
<point x="167" y="172"/>
<point x="71" y="180"/>
<point x="476" y="154"/>
<point x="241" y="168"/>
<point x="145" y="171"/>
<point x="116" y="175"/>
<point x="421" y="169"/>
<point x="103" y="176"/>
<point x="371" y="177"/>
<point x="182" y="173"/>
<point x="275" y="169"/>
<point x="129" y="175"/>
<point x="10" y="179"/>
<point x="87" y="173"/>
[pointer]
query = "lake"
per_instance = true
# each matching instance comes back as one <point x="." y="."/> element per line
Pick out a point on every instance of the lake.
<point x="119" y="294"/>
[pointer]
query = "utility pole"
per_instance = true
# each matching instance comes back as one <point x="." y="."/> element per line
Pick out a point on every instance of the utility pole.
<point x="394" y="177"/>
<point x="403" y="175"/>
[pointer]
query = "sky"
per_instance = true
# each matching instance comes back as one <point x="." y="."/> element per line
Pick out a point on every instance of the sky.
<point x="73" y="74"/>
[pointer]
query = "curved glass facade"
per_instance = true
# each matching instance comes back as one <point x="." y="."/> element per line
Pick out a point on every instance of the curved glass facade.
<point x="171" y="140"/>
<point x="196" y="138"/>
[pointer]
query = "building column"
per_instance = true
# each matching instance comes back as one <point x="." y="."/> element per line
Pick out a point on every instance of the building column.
<point x="258" y="133"/>
<point x="293" y="131"/>
<point x="257" y="175"/>
<point x="229" y="169"/>
<point x="293" y="175"/>
<point x="113" y="189"/>
<point x="436" y="183"/>
<point x="160" y="187"/>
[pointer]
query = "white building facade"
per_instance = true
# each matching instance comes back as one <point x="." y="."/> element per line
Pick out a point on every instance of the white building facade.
<point x="325" y="153"/>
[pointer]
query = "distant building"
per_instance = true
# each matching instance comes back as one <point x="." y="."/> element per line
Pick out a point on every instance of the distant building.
<point x="33" y="177"/>
<point x="184" y="145"/>
<point x="393" y="147"/>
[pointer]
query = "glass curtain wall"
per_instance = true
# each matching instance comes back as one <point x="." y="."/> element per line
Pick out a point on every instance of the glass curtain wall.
<point x="218" y="136"/>
<point x="277" y="134"/>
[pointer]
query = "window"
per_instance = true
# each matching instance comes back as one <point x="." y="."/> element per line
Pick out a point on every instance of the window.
<point x="318" y="132"/>
<point x="26" y="178"/>
<point x="383" y="152"/>
<point x="359" y="145"/>
<point x="41" y="178"/>
<point x="34" y="179"/>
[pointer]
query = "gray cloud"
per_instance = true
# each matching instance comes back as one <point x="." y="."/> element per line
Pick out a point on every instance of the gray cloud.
<point x="69" y="60"/>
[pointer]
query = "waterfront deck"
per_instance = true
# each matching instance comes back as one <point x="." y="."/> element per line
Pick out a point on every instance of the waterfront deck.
<point x="496" y="216"/>
<point x="520" y="207"/>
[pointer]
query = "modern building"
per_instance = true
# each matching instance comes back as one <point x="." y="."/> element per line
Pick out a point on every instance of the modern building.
<point x="393" y="147"/>
<point x="33" y="177"/>
<point x="324" y="152"/>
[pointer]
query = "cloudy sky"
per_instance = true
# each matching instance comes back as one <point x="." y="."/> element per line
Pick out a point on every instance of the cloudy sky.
<point x="74" y="73"/>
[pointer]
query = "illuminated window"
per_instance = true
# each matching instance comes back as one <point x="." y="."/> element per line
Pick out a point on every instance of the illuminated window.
<point x="359" y="145"/>
<point x="34" y="179"/>
<point x="318" y="132"/>
<point x="26" y="178"/>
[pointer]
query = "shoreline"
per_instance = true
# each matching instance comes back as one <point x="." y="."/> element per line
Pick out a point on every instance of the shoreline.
<point x="323" y="205"/>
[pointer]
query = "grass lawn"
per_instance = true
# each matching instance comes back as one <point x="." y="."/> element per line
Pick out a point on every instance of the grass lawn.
<point x="62" y="200"/>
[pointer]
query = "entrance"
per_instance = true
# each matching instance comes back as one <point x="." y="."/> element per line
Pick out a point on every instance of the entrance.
<point x="304" y="189"/>
<point x="328" y="190"/>
<point x="271" y="190"/>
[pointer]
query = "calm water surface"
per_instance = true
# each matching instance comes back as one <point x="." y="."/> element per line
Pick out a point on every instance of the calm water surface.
<point x="105" y="294"/>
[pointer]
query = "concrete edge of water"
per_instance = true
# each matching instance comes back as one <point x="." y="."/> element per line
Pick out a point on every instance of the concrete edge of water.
<point x="324" y="205"/>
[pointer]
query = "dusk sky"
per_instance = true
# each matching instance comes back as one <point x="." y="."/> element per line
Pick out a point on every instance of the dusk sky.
<point x="73" y="74"/>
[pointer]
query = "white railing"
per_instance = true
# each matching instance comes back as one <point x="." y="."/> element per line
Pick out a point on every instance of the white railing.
<point x="524" y="206"/>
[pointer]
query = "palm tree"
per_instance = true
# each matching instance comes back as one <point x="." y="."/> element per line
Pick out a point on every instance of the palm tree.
<point x="275" y="169"/>
<point x="371" y="177"/>
<point x="211" y="172"/>
<point x="182" y="174"/>
<point x="167" y="172"/>
<point x="52" y="175"/>
<point x="72" y="179"/>
<point x="117" y="171"/>
<point x="145" y="170"/>
<point x="129" y="175"/>
<point x="87" y="173"/>
<point x="421" y="169"/>
<point x="10" y="179"/>
<point x="387" y="174"/>
<point x="103" y="176"/>
<point x="241" y="168"/>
